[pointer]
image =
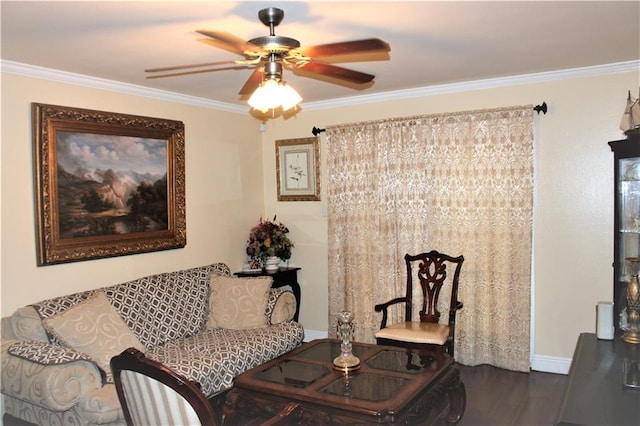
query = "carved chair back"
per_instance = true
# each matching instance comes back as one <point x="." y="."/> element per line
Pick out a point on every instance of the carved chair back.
<point x="433" y="271"/>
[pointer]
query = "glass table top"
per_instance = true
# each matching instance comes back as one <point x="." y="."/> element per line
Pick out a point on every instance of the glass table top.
<point x="293" y="373"/>
<point x="400" y="361"/>
<point x="329" y="350"/>
<point x="365" y="386"/>
<point x="383" y="373"/>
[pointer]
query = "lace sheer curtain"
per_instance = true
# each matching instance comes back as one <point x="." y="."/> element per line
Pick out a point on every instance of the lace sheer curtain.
<point x="459" y="183"/>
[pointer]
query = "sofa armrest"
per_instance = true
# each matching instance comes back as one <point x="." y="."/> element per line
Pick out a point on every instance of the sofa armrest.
<point x="48" y="376"/>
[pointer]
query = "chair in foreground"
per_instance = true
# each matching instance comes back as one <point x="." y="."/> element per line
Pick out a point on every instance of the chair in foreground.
<point x="433" y="271"/>
<point x="150" y="393"/>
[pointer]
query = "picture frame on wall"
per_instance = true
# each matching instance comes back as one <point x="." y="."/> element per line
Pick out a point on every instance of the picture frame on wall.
<point x="298" y="169"/>
<point x="106" y="184"/>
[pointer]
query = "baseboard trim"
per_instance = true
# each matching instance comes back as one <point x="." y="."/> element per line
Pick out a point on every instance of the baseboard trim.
<point x="550" y="364"/>
<point x="543" y="363"/>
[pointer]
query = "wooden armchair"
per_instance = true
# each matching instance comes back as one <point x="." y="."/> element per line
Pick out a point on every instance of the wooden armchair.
<point x="429" y="332"/>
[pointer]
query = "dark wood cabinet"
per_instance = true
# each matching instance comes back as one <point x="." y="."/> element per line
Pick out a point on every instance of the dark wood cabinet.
<point x="281" y="278"/>
<point x="626" y="231"/>
<point x="595" y="394"/>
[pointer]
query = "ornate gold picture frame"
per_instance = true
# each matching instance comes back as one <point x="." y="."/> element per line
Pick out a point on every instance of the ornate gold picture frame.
<point x="298" y="169"/>
<point x="106" y="184"/>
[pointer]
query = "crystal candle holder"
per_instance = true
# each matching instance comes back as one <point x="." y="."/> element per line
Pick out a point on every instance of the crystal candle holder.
<point x="346" y="361"/>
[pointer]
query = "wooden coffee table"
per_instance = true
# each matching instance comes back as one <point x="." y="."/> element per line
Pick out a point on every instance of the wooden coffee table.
<point x="392" y="386"/>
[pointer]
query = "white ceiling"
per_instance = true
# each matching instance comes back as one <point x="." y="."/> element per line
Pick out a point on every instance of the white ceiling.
<point x="432" y="43"/>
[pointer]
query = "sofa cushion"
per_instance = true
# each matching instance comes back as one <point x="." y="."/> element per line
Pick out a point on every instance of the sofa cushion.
<point x="238" y="303"/>
<point x="214" y="357"/>
<point x="167" y="306"/>
<point x="95" y="328"/>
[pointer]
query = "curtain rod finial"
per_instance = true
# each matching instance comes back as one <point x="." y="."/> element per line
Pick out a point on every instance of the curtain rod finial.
<point x="542" y="108"/>
<point x="317" y="131"/>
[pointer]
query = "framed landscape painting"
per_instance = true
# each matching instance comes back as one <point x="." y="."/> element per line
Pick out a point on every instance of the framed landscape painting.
<point x="298" y="169"/>
<point x="106" y="184"/>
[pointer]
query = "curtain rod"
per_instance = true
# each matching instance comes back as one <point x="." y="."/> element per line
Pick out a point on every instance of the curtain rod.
<point x="538" y="108"/>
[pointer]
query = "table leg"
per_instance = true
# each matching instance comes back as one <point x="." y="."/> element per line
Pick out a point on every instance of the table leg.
<point x="457" y="396"/>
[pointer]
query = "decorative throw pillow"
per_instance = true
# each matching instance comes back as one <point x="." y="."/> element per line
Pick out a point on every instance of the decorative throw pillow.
<point x="95" y="328"/>
<point x="238" y="303"/>
<point x="284" y="308"/>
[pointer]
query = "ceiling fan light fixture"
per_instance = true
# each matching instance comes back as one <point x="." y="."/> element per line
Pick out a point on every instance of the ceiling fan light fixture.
<point x="272" y="94"/>
<point x="265" y="96"/>
<point x="289" y="97"/>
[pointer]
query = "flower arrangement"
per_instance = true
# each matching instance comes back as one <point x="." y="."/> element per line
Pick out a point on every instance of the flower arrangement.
<point x="268" y="239"/>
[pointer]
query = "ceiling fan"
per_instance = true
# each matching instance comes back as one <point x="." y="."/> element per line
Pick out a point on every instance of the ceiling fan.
<point x="269" y="54"/>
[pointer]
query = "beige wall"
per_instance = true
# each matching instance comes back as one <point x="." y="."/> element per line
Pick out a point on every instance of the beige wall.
<point x="573" y="243"/>
<point x="223" y="191"/>
<point x="231" y="182"/>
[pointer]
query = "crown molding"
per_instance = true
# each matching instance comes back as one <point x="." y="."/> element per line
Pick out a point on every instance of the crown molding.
<point x="115" y="86"/>
<point x="492" y="83"/>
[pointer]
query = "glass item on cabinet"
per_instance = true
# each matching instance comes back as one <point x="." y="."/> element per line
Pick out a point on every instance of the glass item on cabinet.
<point x="632" y="330"/>
<point x="629" y="214"/>
<point x="631" y="168"/>
<point x="631" y="367"/>
<point x="631" y="373"/>
<point x="626" y="224"/>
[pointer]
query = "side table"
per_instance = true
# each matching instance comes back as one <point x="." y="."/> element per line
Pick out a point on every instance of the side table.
<point x="595" y="394"/>
<point x="284" y="276"/>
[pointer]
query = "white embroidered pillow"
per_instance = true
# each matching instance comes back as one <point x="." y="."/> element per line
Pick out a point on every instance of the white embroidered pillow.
<point x="238" y="303"/>
<point x="95" y="328"/>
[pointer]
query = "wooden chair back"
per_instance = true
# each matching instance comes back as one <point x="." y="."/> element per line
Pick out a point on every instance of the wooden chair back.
<point x="150" y="393"/>
<point x="433" y="271"/>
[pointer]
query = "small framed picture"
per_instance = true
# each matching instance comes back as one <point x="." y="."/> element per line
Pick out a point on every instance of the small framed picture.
<point x="298" y="169"/>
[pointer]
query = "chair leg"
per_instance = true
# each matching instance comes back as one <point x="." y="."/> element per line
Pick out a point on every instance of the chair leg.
<point x="449" y="348"/>
<point x="410" y="364"/>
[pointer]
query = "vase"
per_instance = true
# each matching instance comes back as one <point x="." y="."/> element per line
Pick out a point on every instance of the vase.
<point x="272" y="264"/>
<point x="632" y="333"/>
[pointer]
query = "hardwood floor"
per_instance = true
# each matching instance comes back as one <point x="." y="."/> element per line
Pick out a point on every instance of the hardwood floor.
<point x="499" y="397"/>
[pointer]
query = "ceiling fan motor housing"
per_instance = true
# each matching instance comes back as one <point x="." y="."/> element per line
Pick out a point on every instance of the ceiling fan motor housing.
<point x="273" y="71"/>
<point x="272" y="43"/>
<point x="271" y="16"/>
<point x="275" y="44"/>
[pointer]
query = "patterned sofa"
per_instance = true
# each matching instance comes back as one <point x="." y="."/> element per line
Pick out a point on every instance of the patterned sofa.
<point x="184" y="319"/>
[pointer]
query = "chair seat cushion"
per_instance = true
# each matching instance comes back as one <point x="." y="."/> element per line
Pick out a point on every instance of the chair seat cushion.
<point x="416" y="332"/>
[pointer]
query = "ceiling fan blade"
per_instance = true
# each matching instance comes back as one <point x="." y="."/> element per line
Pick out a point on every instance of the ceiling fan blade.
<point x="338" y="72"/>
<point x="176" y="74"/>
<point x="228" y="41"/>
<point x="347" y="47"/>
<point x="252" y="82"/>
<point x="184" y="67"/>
